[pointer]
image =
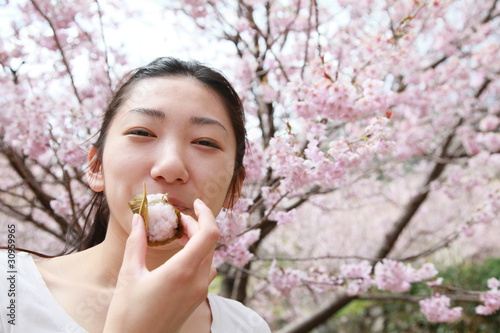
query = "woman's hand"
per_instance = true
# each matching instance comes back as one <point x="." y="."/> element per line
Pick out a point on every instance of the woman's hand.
<point x="163" y="299"/>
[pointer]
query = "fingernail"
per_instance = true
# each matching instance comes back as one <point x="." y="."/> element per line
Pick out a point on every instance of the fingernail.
<point x="198" y="202"/>
<point x="135" y="221"/>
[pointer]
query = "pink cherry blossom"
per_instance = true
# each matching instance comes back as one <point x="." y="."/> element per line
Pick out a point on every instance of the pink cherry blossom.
<point x="434" y="283"/>
<point x="358" y="277"/>
<point x="361" y="270"/>
<point x="284" y="280"/>
<point x="349" y="108"/>
<point x="493" y="283"/>
<point x="62" y="206"/>
<point x="236" y="252"/>
<point x="320" y="280"/>
<point x="426" y="272"/>
<point x="489" y="123"/>
<point x="490" y="140"/>
<point x="255" y="162"/>
<point x="467" y="230"/>
<point x="490" y="299"/>
<point x="283" y="217"/>
<point x="437" y="309"/>
<point x="392" y="276"/>
<point x="396" y="277"/>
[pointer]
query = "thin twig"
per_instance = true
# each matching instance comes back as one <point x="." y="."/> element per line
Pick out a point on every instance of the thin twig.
<point x="316" y="258"/>
<point x="60" y="48"/>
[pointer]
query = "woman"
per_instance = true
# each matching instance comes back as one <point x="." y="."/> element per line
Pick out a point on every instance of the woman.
<point x="178" y="127"/>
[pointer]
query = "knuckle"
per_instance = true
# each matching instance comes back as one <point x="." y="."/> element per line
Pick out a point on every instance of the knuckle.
<point x="213" y="273"/>
<point x="213" y="235"/>
<point x="201" y="289"/>
<point x="186" y="274"/>
<point x="216" y="233"/>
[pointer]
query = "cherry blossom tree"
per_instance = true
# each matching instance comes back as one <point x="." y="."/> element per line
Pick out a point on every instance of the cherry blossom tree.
<point x="373" y="142"/>
<point x="56" y="79"/>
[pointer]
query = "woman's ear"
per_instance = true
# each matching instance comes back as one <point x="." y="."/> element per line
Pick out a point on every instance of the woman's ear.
<point x="95" y="178"/>
<point x="234" y="193"/>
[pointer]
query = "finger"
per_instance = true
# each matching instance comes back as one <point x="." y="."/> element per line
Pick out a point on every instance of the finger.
<point x="135" y="250"/>
<point x="202" y="241"/>
<point x="206" y="220"/>
<point x="208" y="232"/>
<point x="190" y="225"/>
<point x="201" y="209"/>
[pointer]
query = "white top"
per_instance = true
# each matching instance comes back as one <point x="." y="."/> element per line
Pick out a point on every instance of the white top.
<point x="26" y="302"/>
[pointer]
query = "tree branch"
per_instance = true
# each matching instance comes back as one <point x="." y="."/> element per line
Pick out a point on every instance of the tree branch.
<point x="308" y="37"/>
<point x="60" y="48"/>
<point x="415" y="299"/>
<point x="490" y="16"/>
<point x="14" y="213"/>
<point x="318" y="317"/>
<point x="316" y="258"/>
<point x="106" y="58"/>
<point x="417" y="201"/>
<point x="19" y="166"/>
<point x="443" y="243"/>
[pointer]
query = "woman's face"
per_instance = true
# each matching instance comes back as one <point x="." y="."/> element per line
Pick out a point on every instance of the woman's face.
<point x="174" y="134"/>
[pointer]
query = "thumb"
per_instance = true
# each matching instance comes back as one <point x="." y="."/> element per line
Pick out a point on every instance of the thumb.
<point x="134" y="257"/>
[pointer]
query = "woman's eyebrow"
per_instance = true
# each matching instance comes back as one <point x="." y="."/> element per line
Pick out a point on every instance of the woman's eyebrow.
<point x="206" y="121"/>
<point x="153" y="113"/>
<point x="196" y="120"/>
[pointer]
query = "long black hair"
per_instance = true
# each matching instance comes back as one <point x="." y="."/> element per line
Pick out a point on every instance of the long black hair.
<point x="97" y="216"/>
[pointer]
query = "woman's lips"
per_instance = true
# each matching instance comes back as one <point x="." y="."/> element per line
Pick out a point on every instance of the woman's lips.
<point x="179" y="205"/>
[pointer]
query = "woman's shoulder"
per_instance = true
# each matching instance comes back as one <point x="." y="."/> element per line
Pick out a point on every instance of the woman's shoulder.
<point x="232" y="316"/>
<point x="20" y="267"/>
<point x="11" y="259"/>
<point x="33" y="308"/>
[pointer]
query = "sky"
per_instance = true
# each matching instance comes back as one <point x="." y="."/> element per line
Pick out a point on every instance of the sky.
<point x="146" y="36"/>
<point x="158" y="33"/>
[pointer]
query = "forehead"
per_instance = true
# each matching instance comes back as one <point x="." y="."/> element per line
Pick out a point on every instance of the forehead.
<point x="171" y="88"/>
<point x="176" y="95"/>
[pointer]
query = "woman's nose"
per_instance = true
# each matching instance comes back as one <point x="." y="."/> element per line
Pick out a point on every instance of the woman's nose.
<point x="170" y="165"/>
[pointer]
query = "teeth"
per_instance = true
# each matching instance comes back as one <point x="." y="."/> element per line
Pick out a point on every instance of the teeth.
<point x="164" y="225"/>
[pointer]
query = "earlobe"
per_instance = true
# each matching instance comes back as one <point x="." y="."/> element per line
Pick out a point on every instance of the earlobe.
<point x="95" y="178"/>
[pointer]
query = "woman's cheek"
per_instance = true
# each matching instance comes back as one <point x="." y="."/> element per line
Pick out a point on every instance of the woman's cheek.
<point x="216" y="184"/>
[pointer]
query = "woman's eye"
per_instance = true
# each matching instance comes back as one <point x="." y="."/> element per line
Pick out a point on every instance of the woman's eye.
<point x="207" y="143"/>
<point x="139" y="132"/>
